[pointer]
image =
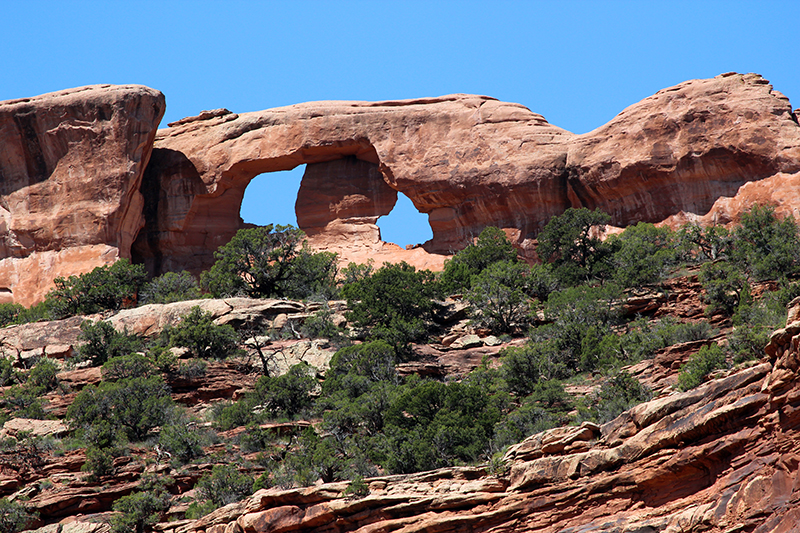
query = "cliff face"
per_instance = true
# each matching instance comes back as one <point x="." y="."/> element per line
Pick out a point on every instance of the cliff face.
<point x="71" y="166"/>
<point x="77" y="190"/>
<point x="468" y="162"/>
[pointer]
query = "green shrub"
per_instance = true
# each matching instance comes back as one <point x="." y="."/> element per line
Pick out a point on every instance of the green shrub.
<point x="102" y="342"/>
<point x="8" y="375"/>
<point x="521" y="423"/>
<point x="99" y="462"/>
<point x="354" y="368"/>
<point x="10" y="314"/>
<point x="224" y="485"/>
<point x="392" y="304"/>
<point x="699" y="244"/>
<point x="765" y="246"/>
<point x="491" y="246"/>
<point x="139" y="511"/>
<point x="700" y="365"/>
<point x="42" y="377"/>
<point x="499" y="295"/>
<point x="192" y="369"/>
<point x="133" y="365"/>
<point x="182" y="438"/>
<point x="725" y="286"/>
<point x="619" y="393"/>
<point x="642" y="254"/>
<point x="269" y="262"/>
<point x="170" y="287"/>
<point x="14" y="517"/>
<point x="571" y="244"/>
<point x="104" y="288"/>
<point x="321" y="325"/>
<point x="204" y="339"/>
<point x="431" y="424"/>
<point x="354" y="272"/>
<point x="287" y="395"/>
<point x="131" y="407"/>
<point x="357" y="488"/>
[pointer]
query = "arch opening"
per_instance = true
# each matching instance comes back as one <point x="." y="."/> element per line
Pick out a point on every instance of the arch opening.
<point x="405" y="225"/>
<point x="270" y="198"/>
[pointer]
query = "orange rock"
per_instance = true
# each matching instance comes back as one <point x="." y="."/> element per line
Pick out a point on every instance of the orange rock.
<point x="467" y="161"/>
<point x="70" y="176"/>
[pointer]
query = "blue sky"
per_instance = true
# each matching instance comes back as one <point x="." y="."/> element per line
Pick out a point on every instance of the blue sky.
<point x="578" y="63"/>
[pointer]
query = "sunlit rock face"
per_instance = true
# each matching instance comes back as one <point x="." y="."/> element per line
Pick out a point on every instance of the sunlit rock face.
<point x="77" y="190"/>
<point x="71" y="166"/>
<point x="467" y="162"/>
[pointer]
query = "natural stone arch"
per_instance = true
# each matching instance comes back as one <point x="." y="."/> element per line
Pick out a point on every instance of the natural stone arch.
<point x="342" y="194"/>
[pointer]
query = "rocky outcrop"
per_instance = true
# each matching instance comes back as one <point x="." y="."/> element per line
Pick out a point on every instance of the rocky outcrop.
<point x="70" y="174"/>
<point x="85" y="179"/>
<point x="719" y="458"/>
<point x="466" y="161"/>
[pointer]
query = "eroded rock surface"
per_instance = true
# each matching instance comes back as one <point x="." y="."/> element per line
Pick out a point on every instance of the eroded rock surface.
<point x="70" y="172"/>
<point x="77" y="190"/>
<point x="467" y="162"/>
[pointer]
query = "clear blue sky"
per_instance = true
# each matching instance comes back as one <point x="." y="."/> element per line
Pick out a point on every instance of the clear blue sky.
<point x="578" y="63"/>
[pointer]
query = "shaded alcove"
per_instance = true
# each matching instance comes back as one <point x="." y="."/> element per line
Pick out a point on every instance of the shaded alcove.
<point x="404" y="225"/>
<point x="270" y="198"/>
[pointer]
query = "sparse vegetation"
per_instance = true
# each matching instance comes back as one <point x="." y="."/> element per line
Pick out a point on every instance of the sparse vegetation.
<point x="566" y="317"/>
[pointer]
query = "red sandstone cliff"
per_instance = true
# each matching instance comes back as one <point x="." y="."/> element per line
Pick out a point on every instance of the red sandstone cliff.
<point x="76" y="194"/>
<point x="71" y="166"/>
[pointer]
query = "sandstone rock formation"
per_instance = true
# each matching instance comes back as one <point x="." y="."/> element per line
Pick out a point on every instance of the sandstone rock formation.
<point x="70" y="172"/>
<point x="76" y="194"/>
<point x="466" y="161"/>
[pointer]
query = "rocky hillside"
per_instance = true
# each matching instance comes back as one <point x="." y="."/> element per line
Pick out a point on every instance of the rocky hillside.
<point x="720" y="457"/>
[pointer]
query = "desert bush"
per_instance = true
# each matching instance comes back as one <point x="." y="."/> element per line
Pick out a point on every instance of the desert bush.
<point x="14" y="516"/>
<point x="104" y="288"/>
<point x="430" y="424"/>
<point x="224" y="485"/>
<point x="354" y="368"/>
<point x="700" y="365"/>
<point x="618" y="393"/>
<point x="642" y="254"/>
<point x="204" y="339"/>
<point x="491" y="246"/>
<point x="130" y="407"/>
<point x="99" y="462"/>
<point x="170" y="287"/>
<point x="269" y="261"/>
<point x="287" y="395"/>
<point x="765" y="246"/>
<point x="102" y="342"/>
<point x="134" y="365"/>
<point x="10" y="313"/>
<point x="725" y="286"/>
<point x="499" y="294"/>
<point x="392" y="304"/>
<point x="571" y="244"/>
<point x="139" y="511"/>
<point x="183" y="438"/>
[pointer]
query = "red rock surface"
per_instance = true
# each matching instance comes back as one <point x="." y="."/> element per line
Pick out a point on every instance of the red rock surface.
<point x="70" y="173"/>
<point x="468" y="162"/>
<point x="76" y="194"/>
